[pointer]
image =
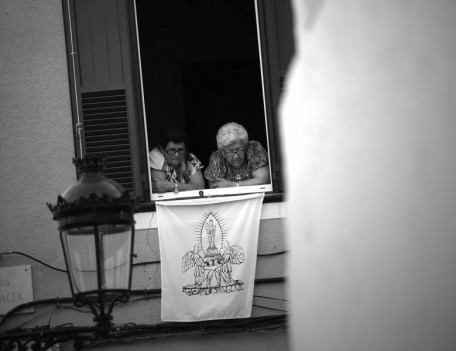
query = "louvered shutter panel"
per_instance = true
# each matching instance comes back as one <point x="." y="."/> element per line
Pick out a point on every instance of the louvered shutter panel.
<point x="107" y="101"/>
<point x="106" y="131"/>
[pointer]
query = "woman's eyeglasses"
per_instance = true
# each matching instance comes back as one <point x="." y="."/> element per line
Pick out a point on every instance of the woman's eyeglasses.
<point x="172" y="152"/>
<point x="231" y="152"/>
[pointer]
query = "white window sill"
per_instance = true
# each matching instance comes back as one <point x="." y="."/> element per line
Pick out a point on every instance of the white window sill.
<point x="272" y="210"/>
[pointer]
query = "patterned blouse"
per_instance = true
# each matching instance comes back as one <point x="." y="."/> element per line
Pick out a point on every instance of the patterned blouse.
<point x="189" y="165"/>
<point x="218" y="167"/>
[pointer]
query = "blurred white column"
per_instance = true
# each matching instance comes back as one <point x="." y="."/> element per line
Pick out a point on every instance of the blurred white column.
<point x="369" y="140"/>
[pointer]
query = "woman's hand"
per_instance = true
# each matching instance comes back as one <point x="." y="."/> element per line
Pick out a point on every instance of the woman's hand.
<point x="162" y="186"/>
<point x="223" y="183"/>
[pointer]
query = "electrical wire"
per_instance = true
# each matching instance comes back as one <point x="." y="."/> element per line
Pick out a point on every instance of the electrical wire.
<point x="131" y="332"/>
<point x="134" y="264"/>
<point x="36" y="316"/>
<point x="80" y="310"/>
<point x="86" y="337"/>
<point x="269" y="297"/>
<point x="137" y="333"/>
<point x="146" y="294"/>
<point x="14" y="310"/>
<point x="145" y="263"/>
<point x="273" y="253"/>
<point x="32" y="258"/>
<point x="269" y="308"/>
<point x="155" y="252"/>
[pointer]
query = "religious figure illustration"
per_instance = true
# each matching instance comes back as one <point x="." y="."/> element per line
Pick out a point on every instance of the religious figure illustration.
<point x="195" y="259"/>
<point x="212" y="266"/>
<point x="210" y="229"/>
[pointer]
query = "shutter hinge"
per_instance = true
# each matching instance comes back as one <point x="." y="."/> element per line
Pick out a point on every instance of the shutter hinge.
<point x="78" y="128"/>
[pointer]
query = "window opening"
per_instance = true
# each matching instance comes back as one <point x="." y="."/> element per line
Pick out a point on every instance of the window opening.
<point x="201" y="68"/>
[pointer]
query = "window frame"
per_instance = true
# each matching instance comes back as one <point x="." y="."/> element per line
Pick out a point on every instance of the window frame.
<point x="264" y="14"/>
<point x="272" y="78"/>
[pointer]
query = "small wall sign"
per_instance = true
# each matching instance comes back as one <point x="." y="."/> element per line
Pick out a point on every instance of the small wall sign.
<point x="15" y="288"/>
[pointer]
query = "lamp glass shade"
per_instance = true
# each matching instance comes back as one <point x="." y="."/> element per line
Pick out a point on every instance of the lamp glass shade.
<point x="98" y="257"/>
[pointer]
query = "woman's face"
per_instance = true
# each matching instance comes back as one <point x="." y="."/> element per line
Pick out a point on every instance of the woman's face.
<point x="235" y="153"/>
<point x="174" y="153"/>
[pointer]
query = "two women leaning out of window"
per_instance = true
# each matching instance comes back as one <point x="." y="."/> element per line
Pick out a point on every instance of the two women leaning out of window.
<point x="237" y="162"/>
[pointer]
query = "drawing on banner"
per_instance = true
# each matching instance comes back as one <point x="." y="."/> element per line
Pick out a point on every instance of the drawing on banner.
<point x="212" y="259"/>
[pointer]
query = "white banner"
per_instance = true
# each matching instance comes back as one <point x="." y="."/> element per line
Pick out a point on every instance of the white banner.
<point x="208" y="250"/>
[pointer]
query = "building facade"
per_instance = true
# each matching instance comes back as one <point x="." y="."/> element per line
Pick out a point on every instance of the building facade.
<point x="38" y="142"/>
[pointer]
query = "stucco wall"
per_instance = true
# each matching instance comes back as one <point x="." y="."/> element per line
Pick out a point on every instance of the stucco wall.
<point x="371" y="106"/>
<point x="36" y="139"/>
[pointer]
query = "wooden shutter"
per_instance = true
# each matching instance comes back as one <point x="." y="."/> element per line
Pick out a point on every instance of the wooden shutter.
<point x="107" y="111"/>
<point x="106" y="131"/>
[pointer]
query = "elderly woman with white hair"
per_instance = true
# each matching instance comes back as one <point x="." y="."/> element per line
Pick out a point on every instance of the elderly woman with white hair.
<point x="238" y="161"/>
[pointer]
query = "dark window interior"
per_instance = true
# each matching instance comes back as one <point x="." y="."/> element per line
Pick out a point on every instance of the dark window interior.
<point x="200" y="69"/>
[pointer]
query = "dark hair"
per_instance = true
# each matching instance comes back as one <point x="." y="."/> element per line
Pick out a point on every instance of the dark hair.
<point x="174" y="134"/>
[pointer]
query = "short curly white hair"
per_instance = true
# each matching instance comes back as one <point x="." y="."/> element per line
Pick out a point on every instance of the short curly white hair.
<point x="231" y="132"/>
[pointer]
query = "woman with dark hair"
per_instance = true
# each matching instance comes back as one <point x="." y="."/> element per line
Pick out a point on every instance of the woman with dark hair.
<point x="173" y="168"/>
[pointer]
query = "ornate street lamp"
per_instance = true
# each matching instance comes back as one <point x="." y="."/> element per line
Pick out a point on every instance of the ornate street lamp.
<point x="96" y="227"/>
